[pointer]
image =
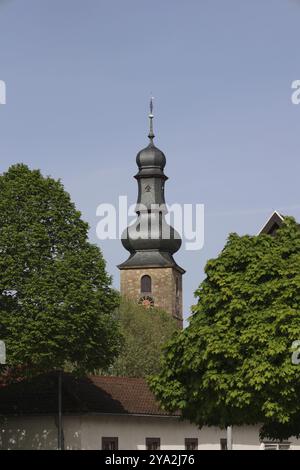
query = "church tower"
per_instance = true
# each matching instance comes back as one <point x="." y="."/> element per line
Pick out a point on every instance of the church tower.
<point x="150" y="276"/>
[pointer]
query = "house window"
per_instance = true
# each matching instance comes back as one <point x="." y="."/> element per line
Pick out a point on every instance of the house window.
<point x="276" y="446"/>
<point x="191" y="443"/>
<point x="110" y="443"/>
<point x="146" y="287"/>
<point x="223" y="444"/>
<point x="152" y="443"/>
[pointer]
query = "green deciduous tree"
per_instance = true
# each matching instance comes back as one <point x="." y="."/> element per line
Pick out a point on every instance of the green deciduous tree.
<point x="232" y="365"/>
<point x="56" y="299"/>
<point x="145" y="331"/>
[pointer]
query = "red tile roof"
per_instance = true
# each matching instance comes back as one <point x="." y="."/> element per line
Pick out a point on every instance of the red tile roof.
<point x="93" y="394"/>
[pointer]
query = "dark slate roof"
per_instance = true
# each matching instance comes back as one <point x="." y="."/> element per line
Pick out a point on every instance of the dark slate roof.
<point x="93" y="394"/>
<point x="150" y="259"/>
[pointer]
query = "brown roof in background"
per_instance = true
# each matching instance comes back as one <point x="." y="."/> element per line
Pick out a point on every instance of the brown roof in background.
<point x="93" y="394"/>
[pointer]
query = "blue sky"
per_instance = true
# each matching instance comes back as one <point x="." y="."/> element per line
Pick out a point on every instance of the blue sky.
<point x="79" y="74"/>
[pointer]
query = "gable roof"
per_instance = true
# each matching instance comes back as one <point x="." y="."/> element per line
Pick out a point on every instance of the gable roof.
<point x="92" y="395"/>
<point x="272" y="224"/>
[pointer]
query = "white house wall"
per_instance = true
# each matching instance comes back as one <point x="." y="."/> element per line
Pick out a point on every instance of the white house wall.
<point x="132" y="432"/>
<point x="86" y="432"/>
<point x="28" y="433"/>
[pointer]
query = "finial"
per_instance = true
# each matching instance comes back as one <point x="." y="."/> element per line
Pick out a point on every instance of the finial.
<point x="151" y="133"/>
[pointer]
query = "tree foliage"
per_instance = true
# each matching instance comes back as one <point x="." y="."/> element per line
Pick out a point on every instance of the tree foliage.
<point x="232" y="365"/>
<point x="145" y="331"/>
<point x="56" y="299"/>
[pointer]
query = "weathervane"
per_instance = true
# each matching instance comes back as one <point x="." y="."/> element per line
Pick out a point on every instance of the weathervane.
<point x="151" y="116"/>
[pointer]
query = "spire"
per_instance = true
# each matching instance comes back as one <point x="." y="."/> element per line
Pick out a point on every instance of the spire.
<point x="150" y="240"/>
<point x="151" y="133"/>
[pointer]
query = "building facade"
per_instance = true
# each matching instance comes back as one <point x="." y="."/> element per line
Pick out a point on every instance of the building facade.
<point x="108" y="413"/>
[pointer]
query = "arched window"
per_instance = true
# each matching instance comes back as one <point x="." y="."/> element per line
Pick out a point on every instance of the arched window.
<point x="146" y="284"/>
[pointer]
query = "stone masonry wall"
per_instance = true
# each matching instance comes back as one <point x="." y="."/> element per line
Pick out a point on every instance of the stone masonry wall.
<point x="163" y="288"/>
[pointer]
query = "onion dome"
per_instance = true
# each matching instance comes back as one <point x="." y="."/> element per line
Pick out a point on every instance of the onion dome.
<point x="150" y="240"/>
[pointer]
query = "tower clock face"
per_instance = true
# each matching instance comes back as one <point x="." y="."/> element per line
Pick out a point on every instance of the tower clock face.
<point x="146" y="301"/>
